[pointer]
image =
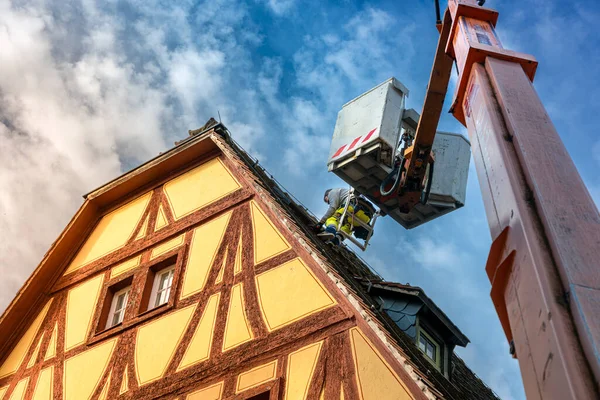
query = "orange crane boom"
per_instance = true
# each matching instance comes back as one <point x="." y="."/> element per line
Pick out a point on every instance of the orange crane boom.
<point x="544" y="262"/>
<point x="419" y="155"/>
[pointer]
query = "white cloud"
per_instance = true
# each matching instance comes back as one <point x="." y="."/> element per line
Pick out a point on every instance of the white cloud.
<point x="436" y="255"/>
<point x="86" y="92"/>
<point x="280" y="7"/>
<point x="353" y="59"/>
<point x="195" y="76"/>
<point x="443" y="260"/>
<point x="493" y="352"/>
<point x="306" y="147"/>
<point x="268" y="82"/>
<point x="333" y="68"/>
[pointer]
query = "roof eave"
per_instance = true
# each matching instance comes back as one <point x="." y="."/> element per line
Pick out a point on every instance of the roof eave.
<point x="180" y="147"/>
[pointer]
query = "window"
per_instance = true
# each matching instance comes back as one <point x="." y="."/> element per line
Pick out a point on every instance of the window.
<point x="261" y="396"/>
<point x="114" y="305"/>
<point x="161" y="288"/>
<point x="117" y="307"/>
<point x="136" y="295"/>
<point x="429" y="347"/>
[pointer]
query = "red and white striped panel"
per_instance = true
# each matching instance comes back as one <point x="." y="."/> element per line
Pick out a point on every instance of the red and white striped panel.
<point x="346" y="148"/>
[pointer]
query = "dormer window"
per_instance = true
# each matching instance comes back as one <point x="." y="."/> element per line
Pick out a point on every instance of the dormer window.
<point x="417" y="316"/>
<point x="429" y="347"/>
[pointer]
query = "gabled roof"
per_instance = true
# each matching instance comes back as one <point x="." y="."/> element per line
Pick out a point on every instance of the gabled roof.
<point x="354" y="272"/>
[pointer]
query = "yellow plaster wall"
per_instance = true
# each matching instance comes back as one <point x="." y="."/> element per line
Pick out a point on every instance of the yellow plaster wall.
<point x="15" y="358"/>
<point x="157" y="341"/>
<point x="81" y="304"/>
<point x="111" y="233"/>
<point x="199" y="348"/>
<point x="51" y="350"/>
<point x="19" y="392"/>
<point x="205" y="243"/>
<point x="237" y="329"/>
<point x="161" y="220"/>
<point x="125" y="266"/>
<point x="376" y="379"/>
<point x="290" y="292"/>
<point x="199" y="187"/>
<point x="268" y="242"/>
<point x="256" y="376"/>
<point x="143" y="229"/>
<point x="124" y="382"/>
<point x="83" y="371"/>
<point x="300" y="369"/>
<point x="33" y="358"/>
<point x="104" y="392"/>
<point x="167" y="246"/>
<point x="212" y="392"/>
<point x="43" y="386"/>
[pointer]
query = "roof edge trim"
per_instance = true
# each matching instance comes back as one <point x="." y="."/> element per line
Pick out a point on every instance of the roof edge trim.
<point x="179" y="146"/>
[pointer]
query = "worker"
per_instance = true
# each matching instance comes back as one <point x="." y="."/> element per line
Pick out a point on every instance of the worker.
<point x="330" y="222"/>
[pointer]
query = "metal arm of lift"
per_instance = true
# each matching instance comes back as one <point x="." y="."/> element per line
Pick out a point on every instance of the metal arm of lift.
<point x="419" y="155"/>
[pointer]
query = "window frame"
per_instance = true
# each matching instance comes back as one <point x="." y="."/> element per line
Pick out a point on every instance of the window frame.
<point x="438" y="345"/>
<point x="139" y="279"/>
<point x="426" y="341"/>
<point x="172" y="259"/>
<point x="111" y="313"/>
<point x="104" y="311"/>
<point x="255" y="396"/>
<point x="271" y="387"/>
<point x="156" y="289"/>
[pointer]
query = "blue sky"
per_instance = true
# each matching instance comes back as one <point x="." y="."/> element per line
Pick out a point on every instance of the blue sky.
<point x="90" y="89"/>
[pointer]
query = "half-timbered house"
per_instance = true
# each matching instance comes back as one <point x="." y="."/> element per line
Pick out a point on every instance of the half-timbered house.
<point x="196" y="276"/>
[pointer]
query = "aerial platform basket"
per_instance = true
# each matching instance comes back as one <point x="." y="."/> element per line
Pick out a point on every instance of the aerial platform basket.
<point x="365" y="143"/>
